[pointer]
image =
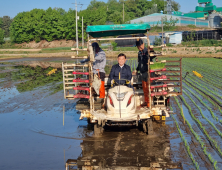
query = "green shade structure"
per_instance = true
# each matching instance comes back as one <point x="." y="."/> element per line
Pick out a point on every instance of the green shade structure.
<point x="115" y="30"/>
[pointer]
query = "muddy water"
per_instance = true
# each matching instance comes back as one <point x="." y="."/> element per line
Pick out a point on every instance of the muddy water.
<point x="41" y="130"/>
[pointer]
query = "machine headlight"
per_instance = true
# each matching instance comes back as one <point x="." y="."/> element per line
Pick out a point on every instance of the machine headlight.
<point x="120" y="96"/>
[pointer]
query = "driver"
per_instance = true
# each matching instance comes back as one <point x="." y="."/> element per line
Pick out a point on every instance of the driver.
<point x="121" y="71"/>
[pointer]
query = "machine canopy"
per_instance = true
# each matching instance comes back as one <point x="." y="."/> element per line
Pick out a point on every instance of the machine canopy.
<point x="115" y="30"/>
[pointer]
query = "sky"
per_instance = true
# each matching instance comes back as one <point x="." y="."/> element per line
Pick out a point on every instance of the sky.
<point x="13" y="7"/>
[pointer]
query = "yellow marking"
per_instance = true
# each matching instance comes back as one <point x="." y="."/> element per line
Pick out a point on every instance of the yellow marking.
<point x="52" y="71"/>
<point x="156" y="117"/>
<point x="197" y="74"/>
<point x="163" y="117"/>
<point x="119" y="75"/>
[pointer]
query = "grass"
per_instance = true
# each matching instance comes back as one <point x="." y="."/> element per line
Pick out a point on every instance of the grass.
<point x="202" y="43"/>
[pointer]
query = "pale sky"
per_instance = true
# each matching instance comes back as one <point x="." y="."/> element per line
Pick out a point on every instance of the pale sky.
<point x="13" y="7"/>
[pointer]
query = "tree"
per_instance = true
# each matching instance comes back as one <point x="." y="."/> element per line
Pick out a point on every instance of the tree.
<point x="94" y="4"/>
<point x="1" y="36"/>
<point x="5" y="25"/>
<point x="176" y="6"/>
<point x="1" y="22"/>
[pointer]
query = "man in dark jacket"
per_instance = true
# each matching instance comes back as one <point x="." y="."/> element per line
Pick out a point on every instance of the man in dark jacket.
<point x="143" y="69"/>
<point x="121" y="71"/>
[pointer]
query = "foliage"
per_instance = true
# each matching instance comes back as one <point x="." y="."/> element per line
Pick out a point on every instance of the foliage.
<point x="169" y="45"/>
<point x="202" y="43"/>
<point x="5" y="23"/>
<point x="114" y="45"/>
<point x="169" y="24"/>
<point x="1" y="36"/>
<point x="1" y="22"/>
<point x="56" y="23"/>
<point x="157" y="41"/>
<point x="191" y="26"/>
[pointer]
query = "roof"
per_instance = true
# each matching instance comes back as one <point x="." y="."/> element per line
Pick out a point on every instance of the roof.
<point x="114" y="30"/>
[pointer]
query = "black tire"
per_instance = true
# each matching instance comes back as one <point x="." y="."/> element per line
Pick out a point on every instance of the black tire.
<point x="98" y="130"/>
<point x="144" y="127"/>
<point x="150" y="127"/>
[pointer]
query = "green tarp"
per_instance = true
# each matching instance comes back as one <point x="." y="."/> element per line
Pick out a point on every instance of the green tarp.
<point x="115" y="30"/>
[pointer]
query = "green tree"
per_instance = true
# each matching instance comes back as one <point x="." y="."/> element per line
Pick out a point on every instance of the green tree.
<point x="5" y="24"/>
<point x="1" y="22"/>
<point x="1" y="36"/>
<point x="176" y="6"/>
<point x="94" y="4"/>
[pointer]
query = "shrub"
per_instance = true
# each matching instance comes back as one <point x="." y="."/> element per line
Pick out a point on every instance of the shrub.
<point x="114" y="44"/>
<point x="1" y="36"/>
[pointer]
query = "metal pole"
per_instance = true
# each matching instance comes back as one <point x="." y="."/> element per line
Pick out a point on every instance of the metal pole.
<point x="77" y="46"/>
<point x="77" y="43"/>
<point x="82" y="35"/>
<point x="162" y="28"/>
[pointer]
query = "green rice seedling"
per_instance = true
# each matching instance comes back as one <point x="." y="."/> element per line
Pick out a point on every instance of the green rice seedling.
<point x="157" y="65"/>
<point x="203" y="128"/>
<point x="194" y="133"/>
<point x="186" y="145"/>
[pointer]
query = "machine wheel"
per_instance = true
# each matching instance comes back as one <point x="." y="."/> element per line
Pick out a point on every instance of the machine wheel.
<point x="150" y="127"/>
<point x="144" y="127"/>
<point x="98" y="130"/>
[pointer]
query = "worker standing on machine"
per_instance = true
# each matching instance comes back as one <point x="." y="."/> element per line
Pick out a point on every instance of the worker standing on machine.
<point x="143" y="57"/>
<point x="99" y="66"/>
<point x="121" y="73"/>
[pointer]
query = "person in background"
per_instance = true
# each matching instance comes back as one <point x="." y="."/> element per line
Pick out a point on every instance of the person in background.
<point x="121" y="71"/>
<point x="143" y="57"/>
<point x="99" y="66"/>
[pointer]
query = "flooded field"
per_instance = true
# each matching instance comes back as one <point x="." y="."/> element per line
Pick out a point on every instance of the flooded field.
<point x="41" y="130"/>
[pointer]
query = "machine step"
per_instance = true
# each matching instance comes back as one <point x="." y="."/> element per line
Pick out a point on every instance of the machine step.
<point x="81" y="88"/>
<point x="158" y="86"/>
<point x="84" y="73"/>
<point x="157" y="78"/>
<point x="159" y="93"/>
<point x="83" y="96"/>
<point x="152" y="71"/>
<point x="81" y="80"/>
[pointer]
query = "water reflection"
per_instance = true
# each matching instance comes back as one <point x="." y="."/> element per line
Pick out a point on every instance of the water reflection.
<point x="28" y="78"/>
<point x="125" y="150"/>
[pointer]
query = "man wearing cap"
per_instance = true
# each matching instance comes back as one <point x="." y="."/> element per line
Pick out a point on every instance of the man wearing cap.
<point x="99" y="66"/>
<point x="143" y="68"/>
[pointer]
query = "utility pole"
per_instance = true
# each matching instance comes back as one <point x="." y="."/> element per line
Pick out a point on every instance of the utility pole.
<point x="162" y="29"/>
<point x="123" y="11"/>
<point x="77" y="42"/>
<point x="82" y="35"/>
